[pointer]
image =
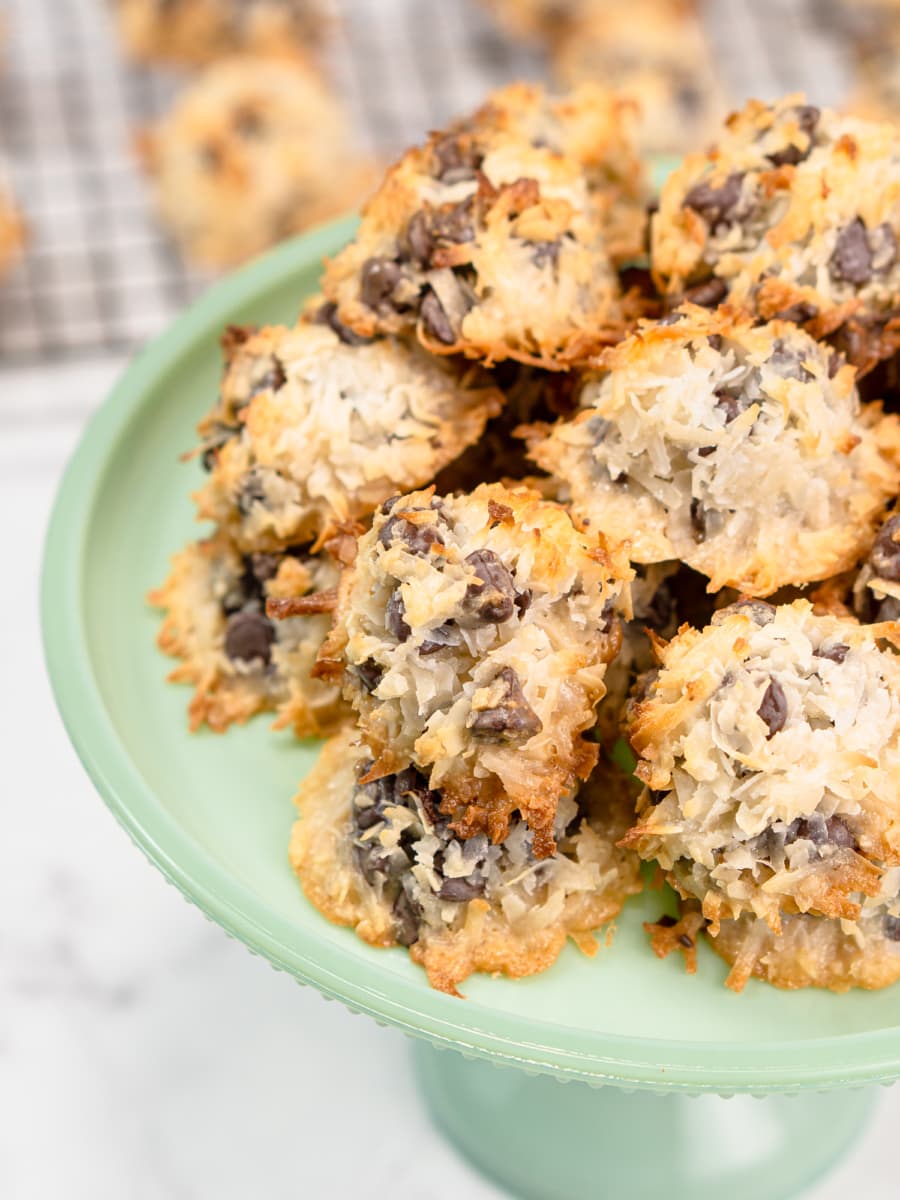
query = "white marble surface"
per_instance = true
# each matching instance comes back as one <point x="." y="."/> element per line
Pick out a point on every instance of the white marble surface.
<point x="144" y="1055"/>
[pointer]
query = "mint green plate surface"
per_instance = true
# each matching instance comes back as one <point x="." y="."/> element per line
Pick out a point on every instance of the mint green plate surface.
<point x="214" y="812"/>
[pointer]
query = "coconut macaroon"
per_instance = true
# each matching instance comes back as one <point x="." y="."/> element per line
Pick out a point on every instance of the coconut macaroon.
<point x="314" y="431"/>
<point x="382" y="857"/>
<point x="741" y="450"/>
<point x="656" y="52"/>
<point x="253" y="150"/>
<point x="494" y="238"/>
<point x="474" y="633"/>
<point x="795" y="213"/>
<point x="770" y="746"/>
<point x="200" y="31"/>
<point x="238" y="661"/>
<point x="816" y="951"/>
<point x="809" y="950"/>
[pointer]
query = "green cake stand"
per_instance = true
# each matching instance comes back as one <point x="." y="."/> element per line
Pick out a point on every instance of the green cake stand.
<point x="648" y="1051"/>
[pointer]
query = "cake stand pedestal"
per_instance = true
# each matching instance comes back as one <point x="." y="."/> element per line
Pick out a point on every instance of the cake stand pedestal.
<point x="545" y="1140"/>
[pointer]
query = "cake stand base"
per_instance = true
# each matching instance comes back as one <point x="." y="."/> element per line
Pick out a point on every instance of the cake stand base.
<point x="544" y="1140"/>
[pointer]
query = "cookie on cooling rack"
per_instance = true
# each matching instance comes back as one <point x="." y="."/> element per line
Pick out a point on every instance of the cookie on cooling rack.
<point x="540" y="20"/>
<point x="495" y="238"/>
<point x="876" y="91"/>
<point x="12" y="227"/>
<point x="201" y="31"/>
<point x="474" y="632"/>
<point x="794" y="213"/>
<point x="239" y="661"/>
<point x="741" y="450"/>
<point x="316" y="428"/>
<point x="770" y="746"/>
<point x="253" y="151"/>
<point x="656" y="52"/>
<point x="382" y="857"/>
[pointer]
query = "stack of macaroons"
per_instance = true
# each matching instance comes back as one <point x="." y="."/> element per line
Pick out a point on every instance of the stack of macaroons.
<point x="488" y="506"/>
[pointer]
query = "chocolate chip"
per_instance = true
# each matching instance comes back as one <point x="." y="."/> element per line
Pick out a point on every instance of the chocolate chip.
<point x="456" y="161"/>
<point x="406" y="920"/>
<point x="698" y="520"/>
<point x="367" y="816"/>
<point x="892" y="928"/>
<point x="523" y="600"/>
<point x="885" y="556"/>
<point x="821" y="831"/>
<point x="249" y="636"/>
<point x="430" y="802"/>
<point x="717" y="205"/>
<point x="545" y="252"/>
<point x="807" y="119"/>
<point x="788" y="361"/>
<point x="251" y="491"/>
<point x="430" y="646"/>
<point x="372" y="862"/>
<point x="716" y="341"/>
<point x="418" y="539"/>
<point x="219" y="436"/>
<point x="851" y="261"/>
<point x="454" y="224"/>
<point x="435" y="320"/>
<point x="461" y="889"/>
<point x="378" y="279"/>
<point x="211" y="156"/>
<point x="493" y="600"/>
<point x="369" y="674"/>
<point x="512" y="719"/>
<point x="686" y="941"/>
<point x="835" y="362"/>
<point x="394" y="617"/>
<point x="263" y="566"/>
<point x="797" y="314"/>
<point x="248" y="121"/>
<point x="758" y="610"/>
<point x="407" y="785"/>
<point x="835" y="653"/>
<point x="327" y="315"/>
<point x="419" y="242"/>
<point x="732" y="406"/>
<point x="838" y="834"/>
<point x="672" y="318"/>
<point x="773" y="709"/>
<point x="689" y="99"/>
<point x="707" y="294"/>
<point x="888" y="609"/>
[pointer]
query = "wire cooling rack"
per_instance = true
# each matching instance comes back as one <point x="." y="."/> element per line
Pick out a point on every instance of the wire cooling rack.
<point x="100" y="275"/>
